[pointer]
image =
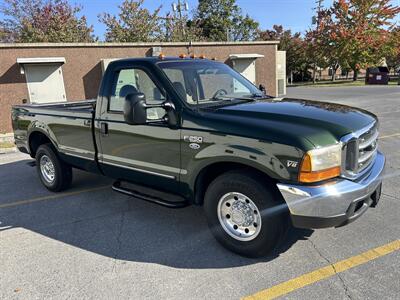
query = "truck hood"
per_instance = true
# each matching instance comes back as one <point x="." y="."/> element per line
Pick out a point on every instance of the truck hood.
<point x="321" y="123"/>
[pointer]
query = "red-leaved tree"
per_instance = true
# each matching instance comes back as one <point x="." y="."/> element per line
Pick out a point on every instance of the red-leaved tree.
<point x="356" y="33"/>
<point x="43" y="21"/>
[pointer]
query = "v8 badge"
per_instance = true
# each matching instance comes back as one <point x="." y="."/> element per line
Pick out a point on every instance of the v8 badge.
<point x="292" y="164"/>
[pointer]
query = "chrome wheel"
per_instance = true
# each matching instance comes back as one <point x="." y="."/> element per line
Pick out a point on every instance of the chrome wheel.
<point x="239" y="216"/>
<point x="47" y="169"/>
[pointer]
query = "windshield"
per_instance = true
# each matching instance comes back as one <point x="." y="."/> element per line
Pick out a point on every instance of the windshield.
<point x="206" y="82"/>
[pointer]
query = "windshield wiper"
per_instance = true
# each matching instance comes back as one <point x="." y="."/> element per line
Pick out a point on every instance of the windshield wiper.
<point x="252" y="97"/>
<point x="221" y="98"/>
<point x="260" y="96"/>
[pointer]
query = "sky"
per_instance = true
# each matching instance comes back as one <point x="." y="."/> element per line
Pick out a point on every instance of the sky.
<point x="292" y="14"/>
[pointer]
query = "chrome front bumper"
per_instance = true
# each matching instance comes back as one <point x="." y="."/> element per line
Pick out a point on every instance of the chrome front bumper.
<point x="335" y="203"/>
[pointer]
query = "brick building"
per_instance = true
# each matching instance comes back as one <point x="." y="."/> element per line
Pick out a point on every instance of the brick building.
<point x="68" y="72"/>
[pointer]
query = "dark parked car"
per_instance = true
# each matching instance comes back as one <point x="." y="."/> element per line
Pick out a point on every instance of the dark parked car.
<point x="204" y="135"/>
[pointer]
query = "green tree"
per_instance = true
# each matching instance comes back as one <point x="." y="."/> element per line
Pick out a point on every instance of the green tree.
<point x="298" y="61"/>
<point x="325" y="52"/>
<point x="43" y="21"/>
<point x="222" y="20"/>
<point x="176" y="29"/>
<point x="3" y="35"/>
<point x="133" y="23"/>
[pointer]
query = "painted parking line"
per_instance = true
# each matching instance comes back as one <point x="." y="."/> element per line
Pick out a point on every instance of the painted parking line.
<point x="52" y="197"/>
<point x="388" y="136"/>
<point x="325" y="272"/>
<point x="387" y="112"/>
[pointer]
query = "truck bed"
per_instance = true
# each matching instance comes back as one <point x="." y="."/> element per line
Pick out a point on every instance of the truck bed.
<point x="83" y="106"/>
<point x="68" y="124"/>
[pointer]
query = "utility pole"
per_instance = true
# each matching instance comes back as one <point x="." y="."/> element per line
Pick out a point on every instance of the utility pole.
<point x="178" y="8"/>
<point x="168" y="26"/>
<point x="316" y="20"/>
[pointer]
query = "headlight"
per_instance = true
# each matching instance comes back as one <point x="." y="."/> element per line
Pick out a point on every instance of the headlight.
<point x="320" y="164"/>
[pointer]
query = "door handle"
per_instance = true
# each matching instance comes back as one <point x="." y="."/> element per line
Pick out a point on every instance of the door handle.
<point x="104" y="129"/>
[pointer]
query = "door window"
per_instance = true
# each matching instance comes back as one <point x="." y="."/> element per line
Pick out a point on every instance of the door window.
<point x="128" y="81"/>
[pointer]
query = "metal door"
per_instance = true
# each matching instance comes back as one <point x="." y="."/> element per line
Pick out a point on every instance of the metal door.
<point x="146" y="154"/>
<point x="45" y="83"/>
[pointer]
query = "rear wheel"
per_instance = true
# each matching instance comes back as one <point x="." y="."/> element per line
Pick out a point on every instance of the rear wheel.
<point x="55" y="174"/>
<point x="245" y="214"/>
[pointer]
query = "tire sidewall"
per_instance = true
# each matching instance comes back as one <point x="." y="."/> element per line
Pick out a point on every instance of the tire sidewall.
<point x="57" y="182"/>
<point x="263" y="198"/>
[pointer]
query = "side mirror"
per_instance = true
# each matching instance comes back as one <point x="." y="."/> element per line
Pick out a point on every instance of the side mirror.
<point x="262" y="88"/>
<point x="135" y="109"/>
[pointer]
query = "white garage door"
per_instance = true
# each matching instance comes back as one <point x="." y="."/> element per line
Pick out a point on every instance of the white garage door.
<point x="45" y="83"/>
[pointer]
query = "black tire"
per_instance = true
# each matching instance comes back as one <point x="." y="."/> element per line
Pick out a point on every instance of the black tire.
<point x="62" y="171"/>
<point x="274" y="217"/>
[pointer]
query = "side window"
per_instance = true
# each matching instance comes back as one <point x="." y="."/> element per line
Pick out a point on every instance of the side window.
<point x="178" y="81"/>
<point x="128" y="81"/>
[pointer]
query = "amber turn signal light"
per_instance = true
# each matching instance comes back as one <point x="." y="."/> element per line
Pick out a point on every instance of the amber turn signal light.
<point x="319" y="175"/>
<point x="307" y="175"/>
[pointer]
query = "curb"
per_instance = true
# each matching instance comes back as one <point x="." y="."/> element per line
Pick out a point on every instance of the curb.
<point x="7" y="137"/>
<point x="8" y="150"/>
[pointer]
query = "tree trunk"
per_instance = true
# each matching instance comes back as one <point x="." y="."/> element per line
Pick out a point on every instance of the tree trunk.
<point x="355" y="75"/>
<point x="333" y="77"/>
<point x="314" y="77"/>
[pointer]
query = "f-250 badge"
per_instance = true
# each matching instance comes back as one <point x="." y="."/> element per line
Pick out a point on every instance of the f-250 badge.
<point x="193" y="139"/>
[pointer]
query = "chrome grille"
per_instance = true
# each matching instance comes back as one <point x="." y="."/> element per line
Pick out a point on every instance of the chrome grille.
<point x="359" y="150"/>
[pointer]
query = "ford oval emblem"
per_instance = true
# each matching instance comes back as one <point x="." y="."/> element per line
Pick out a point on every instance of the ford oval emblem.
<point x="194" y="146"/>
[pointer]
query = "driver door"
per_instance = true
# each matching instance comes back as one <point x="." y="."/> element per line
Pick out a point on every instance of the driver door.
<point x="145" y="154"/>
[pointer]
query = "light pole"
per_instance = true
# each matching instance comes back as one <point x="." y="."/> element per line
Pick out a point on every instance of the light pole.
<point x="178" y="8"/>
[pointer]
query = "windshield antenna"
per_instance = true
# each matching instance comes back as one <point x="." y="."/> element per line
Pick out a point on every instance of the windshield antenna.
<point x="197" y="94"/>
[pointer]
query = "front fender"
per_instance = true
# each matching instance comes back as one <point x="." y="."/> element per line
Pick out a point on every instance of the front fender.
<point x="267" y="157"/>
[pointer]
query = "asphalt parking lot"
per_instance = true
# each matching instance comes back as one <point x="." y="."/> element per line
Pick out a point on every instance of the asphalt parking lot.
<point x="90" y="242"/>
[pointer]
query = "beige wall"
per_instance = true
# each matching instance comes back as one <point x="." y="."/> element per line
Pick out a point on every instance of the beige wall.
<point x="82" y="70"/>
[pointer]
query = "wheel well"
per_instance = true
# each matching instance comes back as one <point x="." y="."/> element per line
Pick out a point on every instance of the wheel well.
<point x="35" y="140"/>
<point x="209" y="173"/>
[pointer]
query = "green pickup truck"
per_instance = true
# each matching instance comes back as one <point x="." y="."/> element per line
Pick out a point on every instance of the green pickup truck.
<point x="182" y="131"/>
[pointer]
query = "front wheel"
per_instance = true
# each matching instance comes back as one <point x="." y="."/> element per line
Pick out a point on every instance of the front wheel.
<point x="55" y="174"/>
<point x="245" y="214"/>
